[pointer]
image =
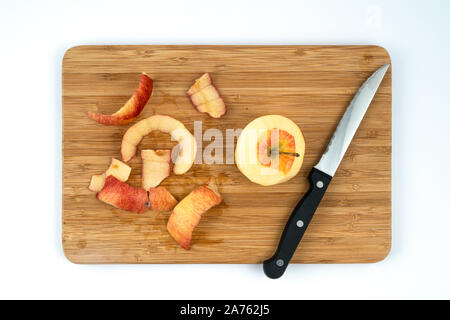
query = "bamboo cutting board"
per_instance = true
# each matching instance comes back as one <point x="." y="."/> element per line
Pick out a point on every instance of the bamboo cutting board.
<point x="312" y="85"/>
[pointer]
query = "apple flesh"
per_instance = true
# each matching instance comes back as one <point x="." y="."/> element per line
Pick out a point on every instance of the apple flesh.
<point x="270" y="150"/>
<point x="205" y="97"/>
<point x="131" y="109"/>
<point x="117" y="169"/>
<point x="155" y="167"/>
<point x="186" y="215"/>
<point x="123" y="196"/>
<point x="160" y="199"/>
<point x="175" y="128"/>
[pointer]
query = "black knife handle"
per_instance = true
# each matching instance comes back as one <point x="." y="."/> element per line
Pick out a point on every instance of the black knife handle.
<point x="297" y="224"/>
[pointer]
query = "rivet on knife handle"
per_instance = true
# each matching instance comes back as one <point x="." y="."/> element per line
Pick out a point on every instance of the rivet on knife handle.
<point x="297" y="224"/>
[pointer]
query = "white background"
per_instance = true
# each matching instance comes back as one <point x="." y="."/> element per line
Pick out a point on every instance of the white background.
<point x="34" y="36"/>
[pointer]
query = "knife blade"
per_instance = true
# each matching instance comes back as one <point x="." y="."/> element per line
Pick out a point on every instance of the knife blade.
<point x="321" y="175"/>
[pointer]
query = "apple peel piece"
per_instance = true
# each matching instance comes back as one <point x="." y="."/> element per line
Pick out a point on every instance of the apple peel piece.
<point x="97" y="182"/>
<point x="269" y="155"/>
<point x="155" y="167"/>
<point x="186" y="215"/>
<point x="206" y="98"/>
<point x="123" y="196"/>
<point x="204" y="81"/>
<point x="131" y="109"/>
<point x="117" y="169"/>
<point x="160" y="199"/>
<point x="186" y="142"/>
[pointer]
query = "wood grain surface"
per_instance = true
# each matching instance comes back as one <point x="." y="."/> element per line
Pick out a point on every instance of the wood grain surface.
<point x="312" y="85"/>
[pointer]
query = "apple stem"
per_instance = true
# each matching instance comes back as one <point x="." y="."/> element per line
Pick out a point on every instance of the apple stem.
<point x="294" y="154"/>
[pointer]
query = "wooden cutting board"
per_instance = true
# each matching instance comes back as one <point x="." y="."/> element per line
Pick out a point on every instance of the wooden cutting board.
<point x="312" y="85"/>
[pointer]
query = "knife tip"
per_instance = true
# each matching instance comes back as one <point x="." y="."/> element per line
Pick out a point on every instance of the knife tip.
<point x="382" y="70"/>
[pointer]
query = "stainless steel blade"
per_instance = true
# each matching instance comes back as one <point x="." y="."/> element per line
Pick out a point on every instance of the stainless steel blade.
<point x="349" y="123"/>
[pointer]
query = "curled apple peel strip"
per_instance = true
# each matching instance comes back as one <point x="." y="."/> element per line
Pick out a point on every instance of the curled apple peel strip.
<point x="186" y="142"/>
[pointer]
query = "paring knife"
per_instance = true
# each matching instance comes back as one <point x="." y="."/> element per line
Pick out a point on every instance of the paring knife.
<point x="321" y="175"/>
